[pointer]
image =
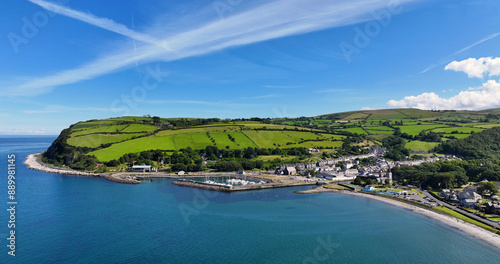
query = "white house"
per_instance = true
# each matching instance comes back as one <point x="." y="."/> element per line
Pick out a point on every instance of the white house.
<point x="141" y="168"/>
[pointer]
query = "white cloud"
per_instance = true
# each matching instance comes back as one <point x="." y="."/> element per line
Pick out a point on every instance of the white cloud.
<point x="366" y="108"/>
<point x="487" y="96"/>
<point x="277" y="19"/>
<point x="476" y="67"/>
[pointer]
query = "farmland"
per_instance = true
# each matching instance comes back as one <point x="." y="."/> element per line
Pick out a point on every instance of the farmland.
<point x="109" y="139"/>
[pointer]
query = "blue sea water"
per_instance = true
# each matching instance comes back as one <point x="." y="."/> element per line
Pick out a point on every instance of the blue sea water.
<point x="67" y="219"/>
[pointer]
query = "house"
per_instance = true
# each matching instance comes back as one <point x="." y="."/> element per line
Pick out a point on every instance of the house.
<point x="470" y="188"/>
<point x="469" y="198"/>
<point x="492" y="208"/>
<point x="470" y="195"/>
<point x="446" y="193"/>
<point x="351" y="172"/>
<point x="468" y="203"/>
<point x="290" y="171"/>
<point x="141" y="168"/>
<point x="449" y="195"/>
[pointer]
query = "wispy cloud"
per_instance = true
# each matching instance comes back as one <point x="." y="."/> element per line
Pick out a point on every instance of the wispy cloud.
<point x="272" y="95"/>
<point x="282" y="86"/>
<point x="277" y="19"/>
<point x="59" y="109"/>
<point x="448" y="58"/>
<point x="103" y="23"/>
<point x="333" y="91"/>
<point x="195" y="102"/>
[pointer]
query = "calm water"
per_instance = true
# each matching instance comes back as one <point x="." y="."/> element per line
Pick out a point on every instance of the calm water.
<point x="64" y="219"/>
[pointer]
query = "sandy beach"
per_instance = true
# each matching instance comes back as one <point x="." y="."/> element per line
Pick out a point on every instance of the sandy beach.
<point x="468" y="228"/>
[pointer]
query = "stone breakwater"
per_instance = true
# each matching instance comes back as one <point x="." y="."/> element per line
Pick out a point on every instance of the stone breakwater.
<point x="221" y="188"/>
<point x="34" y="162"/>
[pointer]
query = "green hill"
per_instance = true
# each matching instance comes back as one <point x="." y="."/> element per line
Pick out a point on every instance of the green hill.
<point x="483" y="145"/>
<point x="113" y="141"/>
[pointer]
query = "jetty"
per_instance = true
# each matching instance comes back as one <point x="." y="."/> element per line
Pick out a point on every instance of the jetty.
<point x="229" y="188"/>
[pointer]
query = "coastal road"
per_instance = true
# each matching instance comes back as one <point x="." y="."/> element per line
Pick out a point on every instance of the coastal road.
<point x="466" y="213"/>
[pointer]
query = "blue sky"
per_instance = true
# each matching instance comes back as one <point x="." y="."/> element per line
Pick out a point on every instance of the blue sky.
<point x="65" y="61"/>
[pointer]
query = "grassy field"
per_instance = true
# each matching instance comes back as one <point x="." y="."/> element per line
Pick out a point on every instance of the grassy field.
<point x="138" y="128"/>
<point x="357" y="130"/>
<point x="95" y="140"/>
<point x="241" y="141"/>
<point x="356" y="116"/>
<point x="386" y="115"/>
<point x="386" y="132"/>
<point x="94" y="133"/>
<point x="486" y="126"/>
<point x="272" y="139"/>
<point x="466" y="130"/>
<point x="463" y="218"/>
<point x="100" y="129"/>
<point x="416" y="129"/>
<point x="421" y="145"/>
<point x="245" y="139"/>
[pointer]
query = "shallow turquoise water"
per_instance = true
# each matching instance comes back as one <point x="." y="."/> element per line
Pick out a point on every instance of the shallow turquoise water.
<point x="64" y="219"/>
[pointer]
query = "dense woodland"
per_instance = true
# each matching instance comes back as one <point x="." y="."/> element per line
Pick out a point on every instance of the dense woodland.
<point x="484" y="145"/>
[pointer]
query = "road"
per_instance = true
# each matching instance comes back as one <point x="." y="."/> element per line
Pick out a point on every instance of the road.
<point x="467" y="213"/>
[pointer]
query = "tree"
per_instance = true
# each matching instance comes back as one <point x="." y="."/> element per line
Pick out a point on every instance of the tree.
<point x="357" y="181"/>
<point x="369" y="182"/>
<point x="156" y="119"/>
<point x="487" y="188"/>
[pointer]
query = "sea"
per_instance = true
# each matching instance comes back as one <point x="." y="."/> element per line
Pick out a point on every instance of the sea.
<point x="69" y="219"/>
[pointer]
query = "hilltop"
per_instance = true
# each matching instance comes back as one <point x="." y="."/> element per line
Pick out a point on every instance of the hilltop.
<point x="213" y="143"/>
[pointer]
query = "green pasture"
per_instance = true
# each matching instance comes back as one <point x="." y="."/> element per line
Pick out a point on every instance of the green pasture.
<point x="416" y="129"/>
<point x="357" y="130"/>
<point x="421" y="145"/>
<point x="138" y="128"/>
<point x="449" y="130"/>
<point x="99" y="129"/>
<point x="95" y="140"/>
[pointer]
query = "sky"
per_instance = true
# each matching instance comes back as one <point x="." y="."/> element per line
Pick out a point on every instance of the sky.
<point x="67" y="61"/>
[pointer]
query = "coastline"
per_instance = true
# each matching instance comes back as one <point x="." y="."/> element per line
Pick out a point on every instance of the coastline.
<point x="34" y="162"/>
<point x="470" y="229"/>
